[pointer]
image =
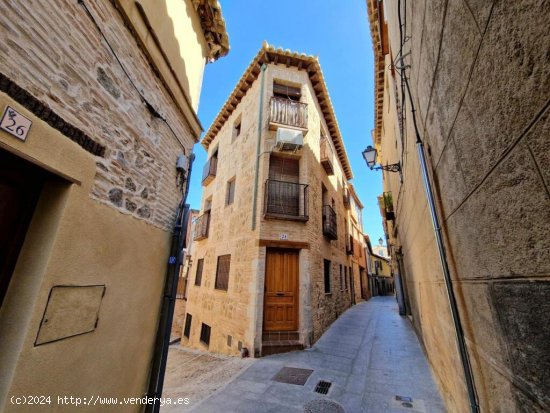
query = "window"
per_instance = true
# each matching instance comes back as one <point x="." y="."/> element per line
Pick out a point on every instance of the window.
<point x="230" y="192"/>
<point x="187" y="328"/>
<point x="236" y="129"/>
<point x="222" y="272"/>
<point x="327" y="276"/>
<point x="205" y="334"/>
<point x="345" y="278"/>
<point x="198" y="275"/>
<point x="341" y="277"/>
<point x="287" y="92"/>
<point x="350" y="278"/>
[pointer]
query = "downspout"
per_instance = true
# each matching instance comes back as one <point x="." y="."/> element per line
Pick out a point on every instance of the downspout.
<point x="258" y="146"/>
<point x="162" y="341"/>
<point x="459" y="332"/>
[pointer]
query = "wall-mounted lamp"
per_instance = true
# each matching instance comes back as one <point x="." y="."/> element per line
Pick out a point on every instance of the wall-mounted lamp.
<point x="370" y="158"/>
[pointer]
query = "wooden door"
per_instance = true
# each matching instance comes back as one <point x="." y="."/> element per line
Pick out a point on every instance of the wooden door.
<point x="20" y="186"/>
<point x="281" y="290"/>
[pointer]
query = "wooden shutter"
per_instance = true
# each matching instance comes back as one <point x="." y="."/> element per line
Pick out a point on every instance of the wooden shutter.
<point x="284" y="169"/>
<point x="222" y="272"/>
<point x="198" y="275"/>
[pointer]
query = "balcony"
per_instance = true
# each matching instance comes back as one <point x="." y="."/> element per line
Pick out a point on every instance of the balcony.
<point x="209" y="171"/>
<point x="329" y="223"/>
<point x="286" y="200"/>
<point x="287" y="113"/>
<point x="388" y="206"/>
<point x="349" y="244"/>
<point x="202" y="225"/>
<point x="327" y="156"/>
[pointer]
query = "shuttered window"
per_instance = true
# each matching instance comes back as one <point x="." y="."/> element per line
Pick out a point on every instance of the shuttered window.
<point x="187" y="328"/>
<point x="230" y="192"/>
<point x="205" y="334"/>
<point x="222" y="272"/>
<point x="327" y="275"/>
<point x="284" y="91"/>
<point x="198" y="275"/>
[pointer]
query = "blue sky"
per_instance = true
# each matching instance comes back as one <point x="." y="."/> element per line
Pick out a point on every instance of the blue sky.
<point x="338" y="32"/>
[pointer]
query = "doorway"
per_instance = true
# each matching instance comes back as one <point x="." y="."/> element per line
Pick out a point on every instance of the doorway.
<point x="20" y="186"/>
<point x="281" y="290"/>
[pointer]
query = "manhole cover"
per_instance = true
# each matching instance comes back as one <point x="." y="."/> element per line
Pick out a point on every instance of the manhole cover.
<point x="323" y="406"/>
<point x="292" y="375"/>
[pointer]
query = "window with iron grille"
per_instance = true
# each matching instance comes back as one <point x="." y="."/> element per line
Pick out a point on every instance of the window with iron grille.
<point x="198" y="275"/>
<point x="327" y="275"/>
<point x="341" y="277"/>
<point x="187" y="328"/>
<point x="230" y="192"/>
<point x="222" y="272"/>
<point x="205" y="334"/>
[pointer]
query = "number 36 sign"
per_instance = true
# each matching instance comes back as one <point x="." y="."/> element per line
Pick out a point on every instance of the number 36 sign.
<point x="15" y="123"/>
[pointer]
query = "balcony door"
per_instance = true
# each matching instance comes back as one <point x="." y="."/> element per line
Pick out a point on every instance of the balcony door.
<point x="284" y="194"/>
<point x="281" y="290"/>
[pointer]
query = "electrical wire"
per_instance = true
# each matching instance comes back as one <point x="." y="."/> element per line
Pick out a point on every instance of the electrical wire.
<point x="148" y="105"/>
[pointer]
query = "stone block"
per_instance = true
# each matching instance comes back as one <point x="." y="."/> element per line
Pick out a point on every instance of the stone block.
<point x="508" y="213"/>
<point x="513" y="62"/>
<point x="538" y="139"/>
<point x="450" y="180"/>
<point x="520" y="308"/>
<point x="431" y="38"/>
<point x="459" y="45"/>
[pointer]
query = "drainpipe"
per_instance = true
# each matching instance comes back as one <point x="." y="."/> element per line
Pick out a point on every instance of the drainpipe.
<point x="162" y="340"/>
<point x="258" y="146"/>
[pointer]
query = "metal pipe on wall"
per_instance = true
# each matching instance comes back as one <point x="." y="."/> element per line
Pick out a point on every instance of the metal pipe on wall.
<point x="258" y="146"/>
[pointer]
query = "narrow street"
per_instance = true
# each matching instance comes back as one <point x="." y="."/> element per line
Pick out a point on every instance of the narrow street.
<point x="370" y="355"/>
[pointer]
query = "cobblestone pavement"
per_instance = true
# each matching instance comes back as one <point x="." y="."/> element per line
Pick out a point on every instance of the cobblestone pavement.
<point x="370" y="355"/>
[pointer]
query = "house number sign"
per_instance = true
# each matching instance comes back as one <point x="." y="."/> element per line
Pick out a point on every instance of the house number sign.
<point x="15" y="123"/>
<point x="283" y="236"/>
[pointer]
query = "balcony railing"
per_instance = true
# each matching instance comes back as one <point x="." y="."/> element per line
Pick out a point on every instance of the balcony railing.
<point x="327" y="156"/>
<point x="202" y="225"/>
<point x="209" y="171"/>
<point x="388" y="206"/>
<point x="349" y="244"/>
<point x="329" y="222"/>
<point x="286" y="200"/>
<point x="287" y="112"/>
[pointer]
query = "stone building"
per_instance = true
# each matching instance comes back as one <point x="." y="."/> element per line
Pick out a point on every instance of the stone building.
<point x="355" y="245"/>
<point x="271" y="271"/>
<point x="99" y="99"/>
<point x="475" y="78"/>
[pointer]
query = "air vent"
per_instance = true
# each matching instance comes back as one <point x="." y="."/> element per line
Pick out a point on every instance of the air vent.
<point x="322" y="387"/>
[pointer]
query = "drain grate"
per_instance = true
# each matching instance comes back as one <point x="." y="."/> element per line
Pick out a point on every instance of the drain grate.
<point x="322" y="387"/>
<point x="292" y="375"/>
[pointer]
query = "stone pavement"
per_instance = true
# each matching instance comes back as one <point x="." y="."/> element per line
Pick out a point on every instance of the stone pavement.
<point x="370" y="355"/>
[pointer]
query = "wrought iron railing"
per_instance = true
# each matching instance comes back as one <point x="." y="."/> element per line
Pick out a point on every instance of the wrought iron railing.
<point x="288" y="112"/>
<point x="329" y="222"/>
<point x="327" y="156"/>
<point x="286" y="200"/>
<point x="202" y="225"/>
<point x="209" y="171"/>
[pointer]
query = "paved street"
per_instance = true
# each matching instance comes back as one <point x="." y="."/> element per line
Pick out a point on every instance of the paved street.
<point x="370" y="355"/>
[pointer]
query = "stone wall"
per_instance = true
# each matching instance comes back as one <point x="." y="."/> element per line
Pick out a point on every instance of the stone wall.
<point x="62" y="59"/>
<point x="479" y="77"/>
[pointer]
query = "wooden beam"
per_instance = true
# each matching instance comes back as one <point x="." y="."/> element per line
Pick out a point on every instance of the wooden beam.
<point x="276" y="243"/>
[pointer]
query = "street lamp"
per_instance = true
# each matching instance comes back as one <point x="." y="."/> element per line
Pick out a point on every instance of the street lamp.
<point x="370" y="158"/>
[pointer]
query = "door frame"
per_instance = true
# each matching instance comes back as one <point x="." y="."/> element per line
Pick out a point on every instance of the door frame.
<point x="294" y="251"/>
